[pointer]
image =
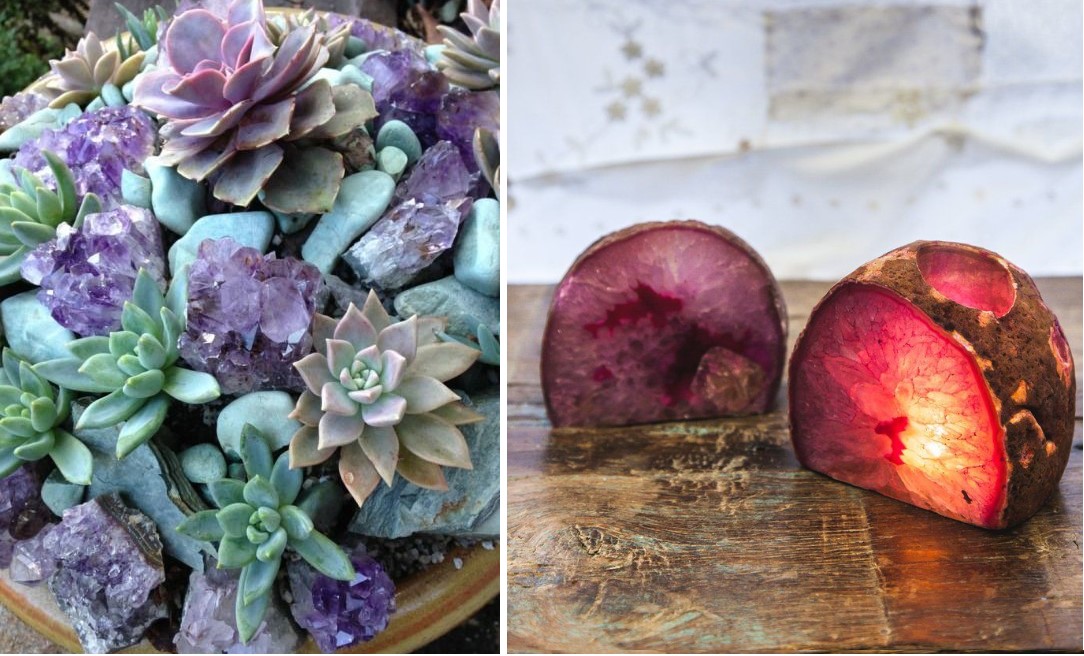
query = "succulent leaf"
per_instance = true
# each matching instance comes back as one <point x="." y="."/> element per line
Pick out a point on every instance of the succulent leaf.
<point x="296" y="523"/>
<point x="259" y="492"/>
<point x="325" y="556"/>
<point x="249" y="616"/>
<point x="305" y="450"/>
<point x="435" y="440"/>
<point x="255" y="453"/>
<point x="142" y="425"/>
<point x="234" y="519"/>
<point x="203" y="525"/>
<point x="36" y="446"/>
<point x="226" y="491"/>
<point x="89" y="346"/>
<point x="109" y="410"/>
<point x="235" y="551"/>
<point x="421" y="472"/>
<point x="190" y="386"/>
<point x="71" y="457"/>
<point x="65" y="372"/>
<point x="286" y="481"/>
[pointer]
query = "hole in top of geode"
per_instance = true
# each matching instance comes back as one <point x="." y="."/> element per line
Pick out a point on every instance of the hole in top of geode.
<point x="970" y="277"/>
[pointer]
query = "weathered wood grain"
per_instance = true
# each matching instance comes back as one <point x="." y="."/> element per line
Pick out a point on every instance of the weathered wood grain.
<point x="708" y="536"/>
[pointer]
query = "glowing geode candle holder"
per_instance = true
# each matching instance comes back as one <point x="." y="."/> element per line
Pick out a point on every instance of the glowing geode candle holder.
<point x="663" y="321"/>
<point x="936" y="375"/>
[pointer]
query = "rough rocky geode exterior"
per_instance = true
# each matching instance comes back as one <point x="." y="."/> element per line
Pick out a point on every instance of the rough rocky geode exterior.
<point x="773" y="378"/>
<point x="1031" y="383"/>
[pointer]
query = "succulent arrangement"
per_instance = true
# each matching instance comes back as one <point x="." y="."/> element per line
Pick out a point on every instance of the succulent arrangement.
<point x="251" y="309"/>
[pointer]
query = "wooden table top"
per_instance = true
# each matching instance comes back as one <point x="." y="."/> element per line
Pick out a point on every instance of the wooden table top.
<point x="709" y="536"/>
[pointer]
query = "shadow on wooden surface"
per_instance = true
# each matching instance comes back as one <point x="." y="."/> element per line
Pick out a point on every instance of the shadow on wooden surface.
<point x="708" y="536"/>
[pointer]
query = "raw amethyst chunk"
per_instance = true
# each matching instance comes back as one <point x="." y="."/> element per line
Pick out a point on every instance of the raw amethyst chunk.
<point x="407" y="88"/>
<point x="97" y="147"/>
<point x="20" y="499"/>
<point x="405" y="241"/>
<point x="342" y="613"/>
<point x="248" y="316"/>
<point x="208" y="623"/>
<point x="86" y="275"/>
<point x="439" y="175"/>
<point x="108" y="561"/>
<point x="461" y="113"/>
<point x="16" y="109"/>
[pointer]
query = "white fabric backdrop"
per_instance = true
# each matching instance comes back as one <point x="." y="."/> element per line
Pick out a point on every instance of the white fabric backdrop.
<point x="824" y="133"/>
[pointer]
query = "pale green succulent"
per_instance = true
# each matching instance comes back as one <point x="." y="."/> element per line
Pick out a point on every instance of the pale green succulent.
<point x="31" y="212"/>
<point x="82" y="74"/>
<point x="143" y="31"/>
<point x="135" y="367"/>
<point x="256" y="521"/>
<point x="376" y="390"/>
<point x="474" y="61"/>
<point x="31" y="414"/>
<point x="487" y="154"/>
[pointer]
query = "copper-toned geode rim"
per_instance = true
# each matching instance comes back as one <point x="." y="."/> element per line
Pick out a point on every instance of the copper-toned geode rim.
<point x="685" y="224"/>
<point x="430" y="603"/>
<point x="1024" y="342"/>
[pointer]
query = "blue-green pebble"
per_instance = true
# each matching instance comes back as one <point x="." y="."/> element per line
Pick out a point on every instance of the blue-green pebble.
<point x="477" y="254"/>
<point x="203" y="463"/>
<point x="246" y="228"/>
<point x="362" y="199"/>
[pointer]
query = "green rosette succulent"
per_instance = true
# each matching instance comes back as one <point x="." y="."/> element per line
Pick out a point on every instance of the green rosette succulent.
<point x="376" y="394"/>
<point x="30" y="213"/>
<point x="135" y="367"/>
<point x="256" y="521"/>
<point x="473" y="60"/>
<point x="31" y="413"/>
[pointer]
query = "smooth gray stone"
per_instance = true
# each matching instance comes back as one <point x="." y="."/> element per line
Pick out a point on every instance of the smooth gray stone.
<point x="392" y="161"/>
<point x="266" y="411"/>
<point x="203" y="463"/>
<point x="142" y="481"/>
<point x="466" y="508"/>
<point x="31" y="331"/>
<point x="362" y="199"/>
<point x="96" y="104"/>
<point x="246" y="228"/>
<point x="291" y="223"/>
<point x="59" y="494"/>
<point x="447" y="297"/>
<point x="351" y="74"/>
<point x="135" y="189"/>
<point x="477" y="253"/>
<point x="177" y="201"/>
<point x="398" y="134"/>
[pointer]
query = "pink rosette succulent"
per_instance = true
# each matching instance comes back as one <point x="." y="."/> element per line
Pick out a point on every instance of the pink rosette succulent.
<point x="245" y="113"/>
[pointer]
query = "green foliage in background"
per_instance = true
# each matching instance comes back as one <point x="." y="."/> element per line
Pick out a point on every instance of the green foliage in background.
<point x="31" y="35"/>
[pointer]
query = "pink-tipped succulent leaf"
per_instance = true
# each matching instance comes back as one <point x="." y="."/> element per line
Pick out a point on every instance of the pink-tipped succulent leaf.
<point x="663" y="321"/>
<point x="236" y="106"/>
<point x="936" y="375"/>
<point x="376" y="392"/>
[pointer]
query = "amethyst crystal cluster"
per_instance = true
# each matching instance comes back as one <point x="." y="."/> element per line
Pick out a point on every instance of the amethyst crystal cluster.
<point x="248" y="316"/>
<point x="22" y="513"/>
<point x="87" y="274"/>
<point x="431" y="204"/>
<point x="104" y="566"/>
<point x="339" y="614"/>
<point x="208" y="621"/>
<point x="97" y="147"/>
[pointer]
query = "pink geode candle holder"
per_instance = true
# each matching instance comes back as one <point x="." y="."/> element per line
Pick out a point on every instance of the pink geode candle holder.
<point x="936" y="375"/>
<point x="663" y="321"/>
